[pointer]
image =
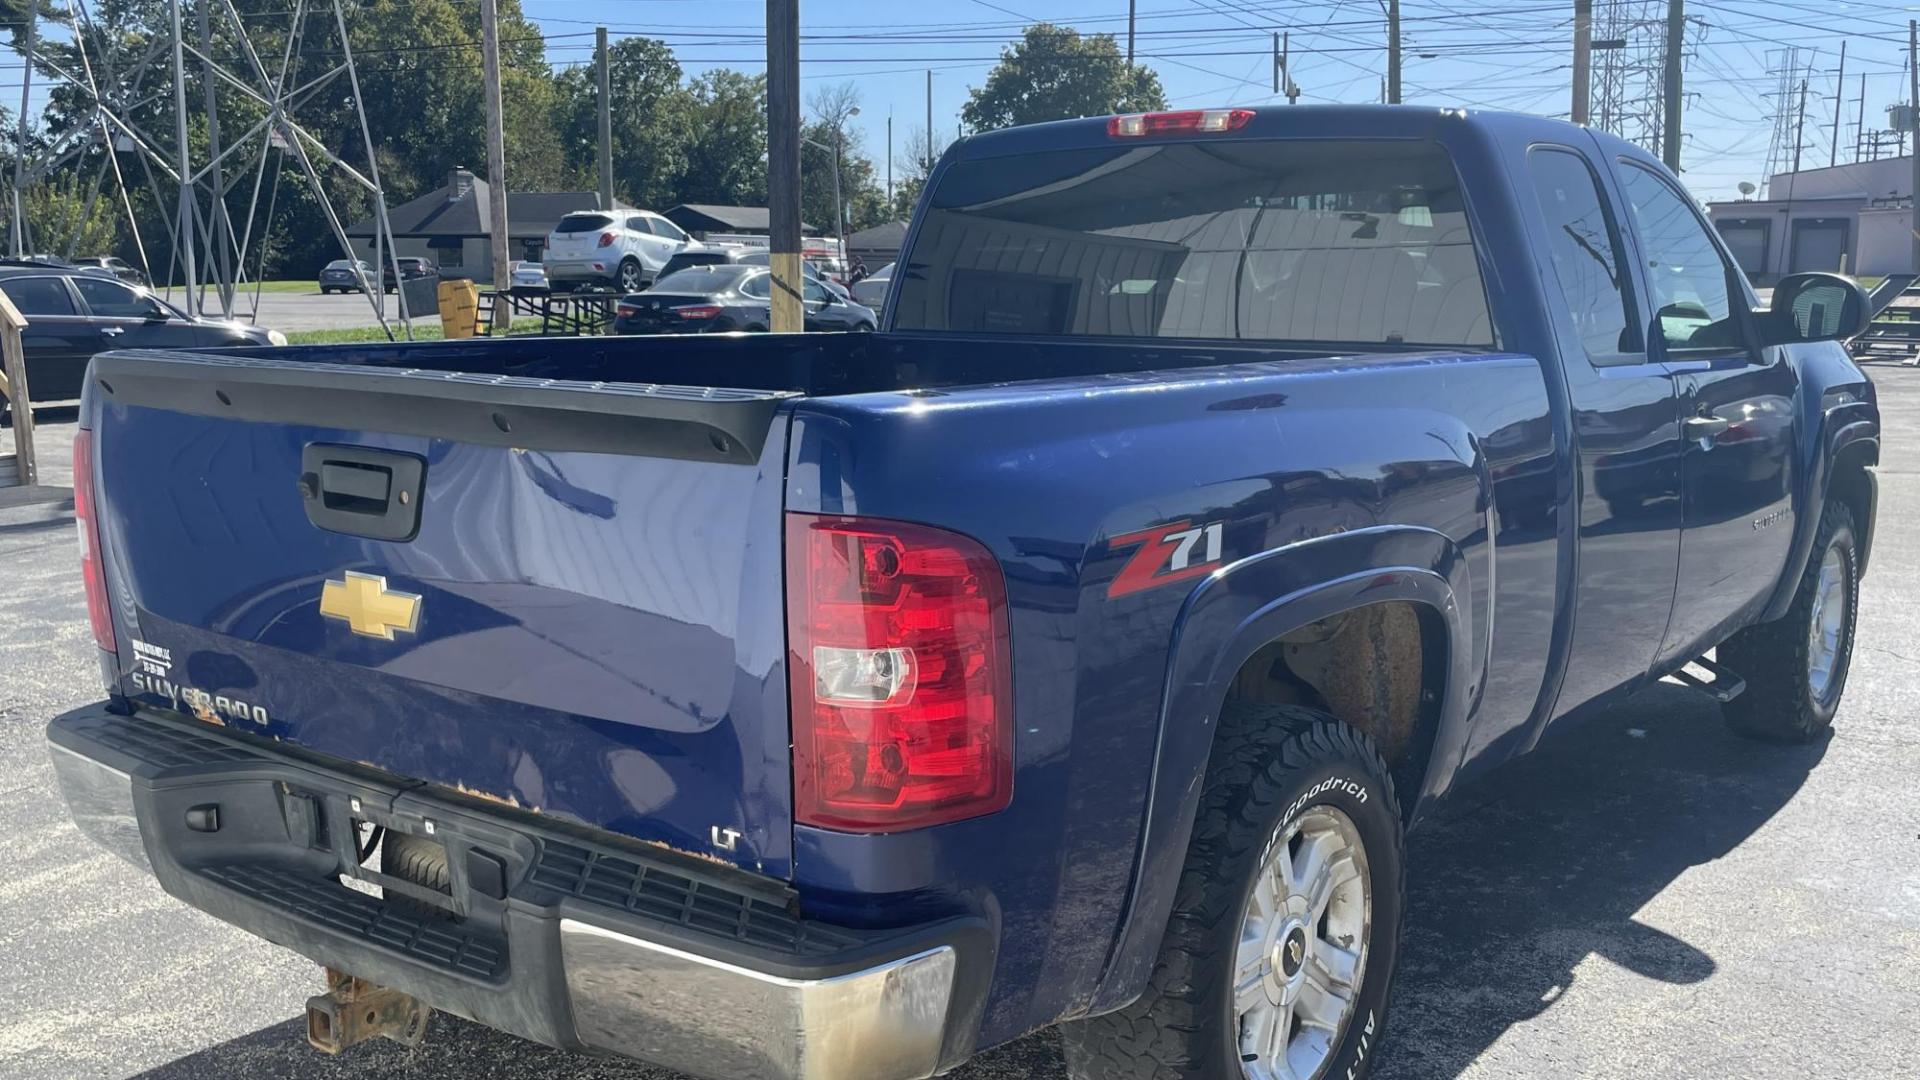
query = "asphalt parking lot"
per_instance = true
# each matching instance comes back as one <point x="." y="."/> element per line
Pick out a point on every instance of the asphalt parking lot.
<point x="291" y="313"/>
<point x="1645" y="896"/>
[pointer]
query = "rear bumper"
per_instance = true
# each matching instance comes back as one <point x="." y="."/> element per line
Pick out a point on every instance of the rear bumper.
<point x="547" y="932"/>
<point x="601" y="269"/>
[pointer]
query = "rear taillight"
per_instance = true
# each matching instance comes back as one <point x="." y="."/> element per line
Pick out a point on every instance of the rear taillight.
<point x="698" y="311"/>
<point x="1205" y="121"/>
<point x="902" y="699"/>
<point x="91" y="570"/>
<point x="625" y="311"/>
<point x="606" y="239"/>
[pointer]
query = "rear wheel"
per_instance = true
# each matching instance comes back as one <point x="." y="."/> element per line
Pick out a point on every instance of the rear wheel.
<point x="1796" y="666"/>
<point x="632" y="276"/>
<point x="1281" y="948"/>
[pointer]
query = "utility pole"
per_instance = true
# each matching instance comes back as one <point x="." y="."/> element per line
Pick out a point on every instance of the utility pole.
<point x="1839" y="96"/>
<point x="929" y="121"/>
<point x="183" y="220"/>
<point x="496" y="162"/>
<point x="889" y="160"/>
<point x="783" y="163"/>
<point x="19" y="232"/>
<point x="1393" y="52"/>
<point x="1860" y="125"/>
<point x="1676" y="41"/>
<point x="1582" y="58"/>
<point x="1130" y="4"/>
<point x="1286" y="69"/>
<point x="606" y="116"/>
<point x="1913" y="101"/>
<point x="1276" y="62"/>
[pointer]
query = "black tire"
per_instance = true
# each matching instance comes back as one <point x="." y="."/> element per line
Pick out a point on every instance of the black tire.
<point x="1780" y="704"/>
<point x="1271" y="764"/>
<point x="631" y="277"/>
<point x="420" y="860"/>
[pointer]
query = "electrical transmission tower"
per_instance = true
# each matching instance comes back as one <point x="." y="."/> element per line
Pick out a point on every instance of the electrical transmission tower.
<point x="1630" y="53"/>
<point x="208" y="253"/>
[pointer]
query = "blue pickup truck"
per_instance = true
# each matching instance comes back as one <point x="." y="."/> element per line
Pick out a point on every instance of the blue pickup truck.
<point x="1223" y="490"/>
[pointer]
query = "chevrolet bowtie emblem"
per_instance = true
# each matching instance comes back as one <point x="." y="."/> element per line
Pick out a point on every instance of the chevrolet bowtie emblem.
<point x="369" y="607"/>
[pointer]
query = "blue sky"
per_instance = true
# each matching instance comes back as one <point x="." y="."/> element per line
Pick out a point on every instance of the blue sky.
<point x="1505" y="54"/>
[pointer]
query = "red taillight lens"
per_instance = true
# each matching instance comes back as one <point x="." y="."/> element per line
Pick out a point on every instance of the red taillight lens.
<point x="698" y="311"/>
<point x="606" y="239"/>
<point x="91" y="570"/>
<point x="1205" y="121"/>
<point x="899" y="675"/>
<point x="626" y="311"/>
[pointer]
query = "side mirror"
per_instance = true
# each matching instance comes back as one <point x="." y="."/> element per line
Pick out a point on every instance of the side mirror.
<point x="1814" y="307"/>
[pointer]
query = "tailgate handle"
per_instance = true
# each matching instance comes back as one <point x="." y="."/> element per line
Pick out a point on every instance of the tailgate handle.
<point x="361" y="491"/>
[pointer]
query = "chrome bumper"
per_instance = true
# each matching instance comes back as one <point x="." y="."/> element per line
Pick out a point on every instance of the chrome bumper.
<point x="886" y="1010"/>
<point x="648" y="1001"/>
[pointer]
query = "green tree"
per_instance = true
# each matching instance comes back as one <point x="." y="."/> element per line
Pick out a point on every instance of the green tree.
<point x="59" y="220"/>
<point x="1057" y="73"/>
<point x="833" y="108"/>
<point x="649" y="109"/>
<point x="724" y="156"/>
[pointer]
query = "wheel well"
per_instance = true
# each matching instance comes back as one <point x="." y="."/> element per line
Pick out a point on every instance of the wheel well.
<point x="1379" y="668"/>
<point x="1851" y="485"/>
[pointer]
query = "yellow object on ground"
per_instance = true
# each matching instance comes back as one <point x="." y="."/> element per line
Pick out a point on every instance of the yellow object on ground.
<point x="459" y="308"/>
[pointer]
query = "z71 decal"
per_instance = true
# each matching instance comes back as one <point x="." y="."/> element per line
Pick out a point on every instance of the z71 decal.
<point x="1167" y="553"/>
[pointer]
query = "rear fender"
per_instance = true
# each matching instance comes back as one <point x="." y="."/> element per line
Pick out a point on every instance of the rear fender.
<point x="1225" y="621"/>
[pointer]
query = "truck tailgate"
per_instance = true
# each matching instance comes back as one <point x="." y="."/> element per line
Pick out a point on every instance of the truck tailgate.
<point x="564" y="596"/>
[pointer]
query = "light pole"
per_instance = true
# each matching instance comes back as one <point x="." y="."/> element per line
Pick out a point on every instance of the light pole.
<point x="839" y="208"/>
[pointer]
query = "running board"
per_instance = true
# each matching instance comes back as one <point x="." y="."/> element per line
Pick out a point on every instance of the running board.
<point x="1723" y="687"/>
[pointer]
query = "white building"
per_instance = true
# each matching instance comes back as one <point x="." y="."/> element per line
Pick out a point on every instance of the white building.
<point x="1854" y="218"/>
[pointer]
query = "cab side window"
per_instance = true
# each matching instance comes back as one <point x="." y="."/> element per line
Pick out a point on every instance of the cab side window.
<point x="112" y="300"/>
<point x="1693" y="296"/>
<point x="1588" y="258"/>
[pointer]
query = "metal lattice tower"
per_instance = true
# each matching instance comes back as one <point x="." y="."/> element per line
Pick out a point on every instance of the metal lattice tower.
<point x="210" y="252"/>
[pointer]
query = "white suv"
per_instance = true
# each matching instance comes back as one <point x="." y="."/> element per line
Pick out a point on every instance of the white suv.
<point x="624" y="249"/>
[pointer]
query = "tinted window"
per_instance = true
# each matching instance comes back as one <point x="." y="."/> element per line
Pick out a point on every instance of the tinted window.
<point x="576" y="223"/>
<point x="39" y="295"/>
<point x="1290" y="240"/>
<point x="663" y="227"/>
<point x="112" y="300"/>
<point x="639" y="225"/>
<point x="759" y="286"/>
<point x="1685" y="273"/>
<point x="698" y="279"/>
<point x="814" y="291"/>
<point x="1587" y="258"/>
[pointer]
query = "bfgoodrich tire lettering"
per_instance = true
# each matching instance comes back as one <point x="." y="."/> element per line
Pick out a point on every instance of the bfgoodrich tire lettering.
<point x="1272" y="767"/>
<point x="1783" y="702"/>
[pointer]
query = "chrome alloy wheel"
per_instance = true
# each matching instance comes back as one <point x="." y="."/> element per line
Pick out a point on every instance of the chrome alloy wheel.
<point x="1303" y="948"/>
<point x="1826" y="623"/>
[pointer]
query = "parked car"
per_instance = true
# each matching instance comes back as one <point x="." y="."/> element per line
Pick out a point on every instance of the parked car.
<point x="809" y="268"/>
<point x="114" y="265"/>
<point x="346" y="275"/>
<point x="872" y="289"/>
<point x="1077" y="649"/>
<point x="708" y="299"/>
<point x="624" y="250"/>
<point x="73" y="314"/>
<point x="411" y="268"/>
<point x="710" y="255"/>
<point x="528" y="276"/>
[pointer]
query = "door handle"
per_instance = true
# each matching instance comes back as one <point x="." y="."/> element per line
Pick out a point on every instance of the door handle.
<point x="113" y="331"/>
<point x="1705" y="427"/>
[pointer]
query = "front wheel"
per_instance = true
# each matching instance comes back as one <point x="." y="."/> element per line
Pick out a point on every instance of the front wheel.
<point x="1281" y="949"/>
<point x="1796" y="666"/>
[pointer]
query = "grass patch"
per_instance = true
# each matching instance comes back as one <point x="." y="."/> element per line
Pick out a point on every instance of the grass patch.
<point x="361" y="335"/>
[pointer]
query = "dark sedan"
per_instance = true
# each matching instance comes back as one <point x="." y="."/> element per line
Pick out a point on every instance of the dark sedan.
<point x="728" y="296"/>
<point x="340" y="276"/>
<point x="72" y="314"/>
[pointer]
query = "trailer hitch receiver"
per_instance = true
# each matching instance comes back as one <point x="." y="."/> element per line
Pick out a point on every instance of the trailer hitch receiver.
<point x="354" y="1010"/>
